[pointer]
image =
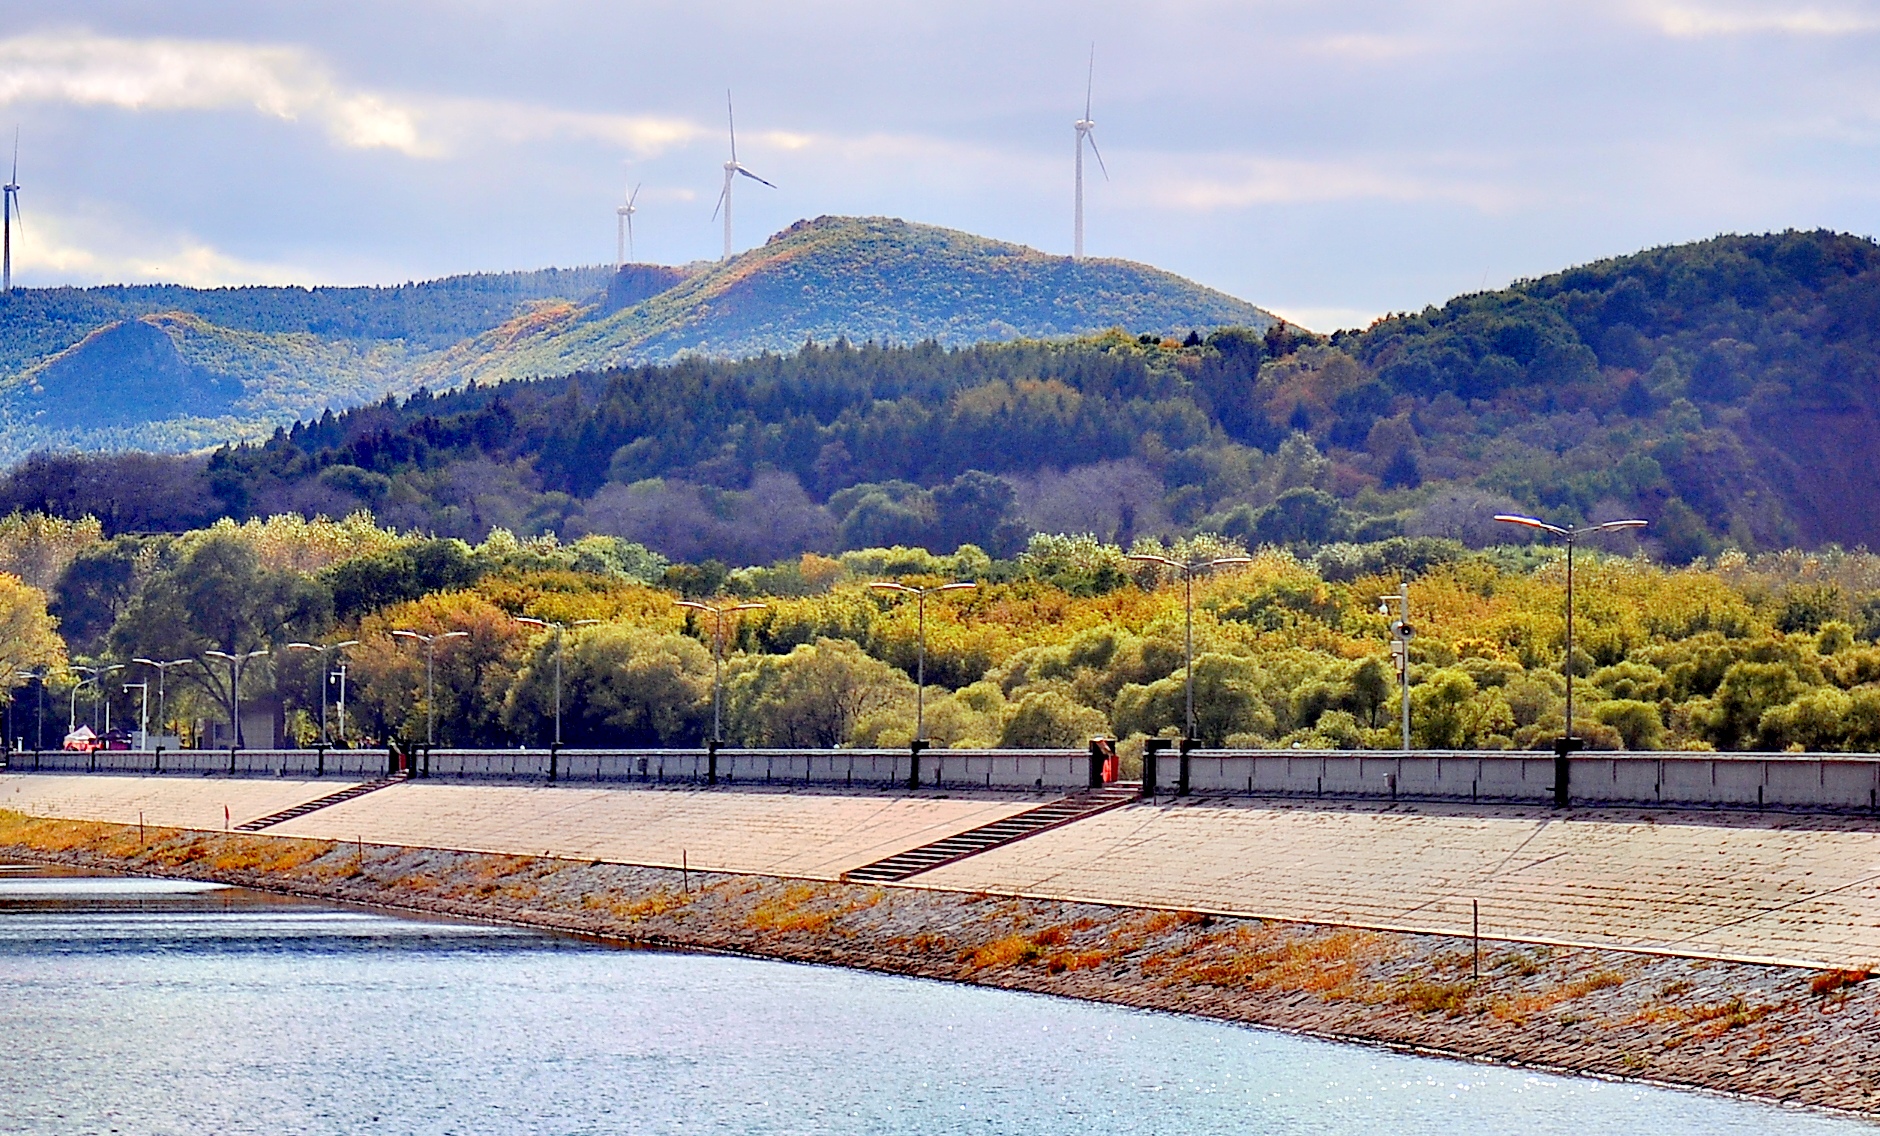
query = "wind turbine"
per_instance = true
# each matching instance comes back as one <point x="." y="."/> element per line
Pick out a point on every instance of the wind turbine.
<point x="623" y="239"/>
<point x="732" y="170"/>
<point x="1085" y="128"/>
<point x="9" y="205"/>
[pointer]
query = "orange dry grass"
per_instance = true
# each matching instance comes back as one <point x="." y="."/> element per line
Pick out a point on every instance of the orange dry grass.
<point x="264" y="854"/>
<point x="1250" y="958"/>
<point x="1519" y="1009"/>
<point x="1013" y="950"/>
<point x="786" y="914"/>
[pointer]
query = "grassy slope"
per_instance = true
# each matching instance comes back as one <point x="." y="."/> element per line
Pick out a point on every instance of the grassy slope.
<point x="870" y="278"/>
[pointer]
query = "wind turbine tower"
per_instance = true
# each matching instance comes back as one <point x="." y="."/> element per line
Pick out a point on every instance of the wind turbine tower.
<point x="1086" y="129"/>
<point x="9" y="206"/>
<point x="732" y="170"/>
<point x="623" y="239"/>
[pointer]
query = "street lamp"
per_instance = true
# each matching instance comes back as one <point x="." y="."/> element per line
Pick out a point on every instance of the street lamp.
<point x="920" y="665"/>
<point x="235" y="664"/>
<point x="143" y="725"/>
<point x="430" y="683"/>
<point x="545" y="624"/>
<point x="1571" y="535"/>
<point x="163" y="669"/>
<point x="39" y="676"/>
<point x="718" y="658"/>
<point x="96" y="678"/>
<point x="1188" y="571"/>
<point x="1400" y="632"/>
<point x="322" y="649"/>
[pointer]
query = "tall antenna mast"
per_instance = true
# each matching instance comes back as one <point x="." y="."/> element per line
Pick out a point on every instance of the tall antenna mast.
<point x="732" y="170"/>
<point x="9" y="205"/>
<point x="1085" y="129"/>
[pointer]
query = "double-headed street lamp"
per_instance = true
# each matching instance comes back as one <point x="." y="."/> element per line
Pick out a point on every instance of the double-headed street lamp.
<point x="235" y="664"/>
<point x="321" y="649"/>
<point x="1188" y="572"/>
<point x="95" y="677"/>
<point x="559" y="628"/>
<point x="163" y="668"/>
<point x="920" y="665"/>
<point x="430" y="682"/>
<point x="718" y="659"/>
<point x="1570" y="535"/>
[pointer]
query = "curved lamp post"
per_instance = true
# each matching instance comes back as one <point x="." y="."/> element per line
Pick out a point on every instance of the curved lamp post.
<point x="718" y="654"/>
<point x="163" y="668"/>
<point x="430" y="684"/>
<point x="322" y="649"/>
<point x="235" y="664"/>
<point x="1570" y="535"/>
<point x="920" y="665"/>
<point x="559" y="628"/>
<point x="95" y="677"/>
<point x="1188" y="572"/>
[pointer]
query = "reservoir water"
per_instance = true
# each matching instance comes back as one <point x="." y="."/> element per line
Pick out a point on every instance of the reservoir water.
<point x="143" y="1006"/>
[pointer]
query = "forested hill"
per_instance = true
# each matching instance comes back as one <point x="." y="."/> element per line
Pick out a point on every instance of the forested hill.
<point x="170" y="368"/>
<point x="1722" y="390"/>
<point x="873" y="279"/>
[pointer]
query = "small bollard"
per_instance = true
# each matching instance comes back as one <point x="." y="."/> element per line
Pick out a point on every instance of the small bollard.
<point x="1151" y="761"/>
<point x="1475" y="933"/>
<point x="913" y="766"/>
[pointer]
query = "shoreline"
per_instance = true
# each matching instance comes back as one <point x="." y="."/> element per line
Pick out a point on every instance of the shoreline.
<point x="1769" y="1033"/>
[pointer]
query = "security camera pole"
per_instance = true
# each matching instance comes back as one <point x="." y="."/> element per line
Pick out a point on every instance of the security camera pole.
<point x="1400" y="633"/>
<point x="1567" y="743"/>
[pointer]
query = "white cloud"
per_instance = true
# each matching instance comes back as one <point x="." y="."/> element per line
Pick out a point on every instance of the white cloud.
<point x="294" y="85"/>
<point x="1325" y="320"/>
<point x="1696" y="21"/>
<point x="48" y="252"/>
<point x="1207" y="183"/>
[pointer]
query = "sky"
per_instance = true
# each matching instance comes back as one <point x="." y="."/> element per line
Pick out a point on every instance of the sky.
<point x="1331" y="160"/>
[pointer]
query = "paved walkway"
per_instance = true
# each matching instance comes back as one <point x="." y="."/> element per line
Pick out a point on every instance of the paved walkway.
<point x="785" y="834"/>
<point x="177" y="801"/>
<point x="1762" y="888"/>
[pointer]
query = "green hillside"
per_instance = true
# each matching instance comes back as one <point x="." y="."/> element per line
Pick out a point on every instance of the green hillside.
<point x="89" y="368"/>
<point x="865" y="279"/>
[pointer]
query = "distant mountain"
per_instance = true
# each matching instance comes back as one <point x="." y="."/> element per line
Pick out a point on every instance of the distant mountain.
<point x="863" y="279"/>
<point x="171" y="368"/>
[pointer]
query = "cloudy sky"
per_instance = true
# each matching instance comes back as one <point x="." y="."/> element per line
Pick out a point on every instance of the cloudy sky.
<point x="1330" y="160"/>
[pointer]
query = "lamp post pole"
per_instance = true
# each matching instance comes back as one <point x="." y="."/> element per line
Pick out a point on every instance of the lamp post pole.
<point x="1188" y="572"/>
<point x="1570" y="535"/>
<point x="341" y="675"/>
<point x="430" y="681"/>
<point x="95" y="677"/>
<point x="321" y="650"/>
<point x="718" y="651"/>
<point x="1400" y="633"/>
<point x="920" y="657"/>
<point x="163" y="668"/>
<point x="235" y="664"/>
<point x="559" y="629"/>
<point x="143" y="723"/>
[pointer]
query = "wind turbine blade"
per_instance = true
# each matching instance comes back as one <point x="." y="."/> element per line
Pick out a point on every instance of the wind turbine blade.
<point x="732" y="123"/>
<point x="721" y="199"/>
<point x="1090" y="77"/>
<point x="634" y="196"/>
<point x="753" y="176"/>
<point x="1092" y="139"/>
<point x="14" y="180"/>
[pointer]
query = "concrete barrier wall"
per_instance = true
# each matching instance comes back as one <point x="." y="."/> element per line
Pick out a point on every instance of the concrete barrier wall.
<point x="1836" y="782"/>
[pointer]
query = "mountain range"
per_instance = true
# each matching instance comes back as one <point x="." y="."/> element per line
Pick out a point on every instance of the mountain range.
<point x="168" y="368"/>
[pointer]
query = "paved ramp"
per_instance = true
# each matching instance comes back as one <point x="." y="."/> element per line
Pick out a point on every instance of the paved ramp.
<point x="786" y="834"/>
<point x="1773" y="888"/>
<point x="172" y="801"/>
